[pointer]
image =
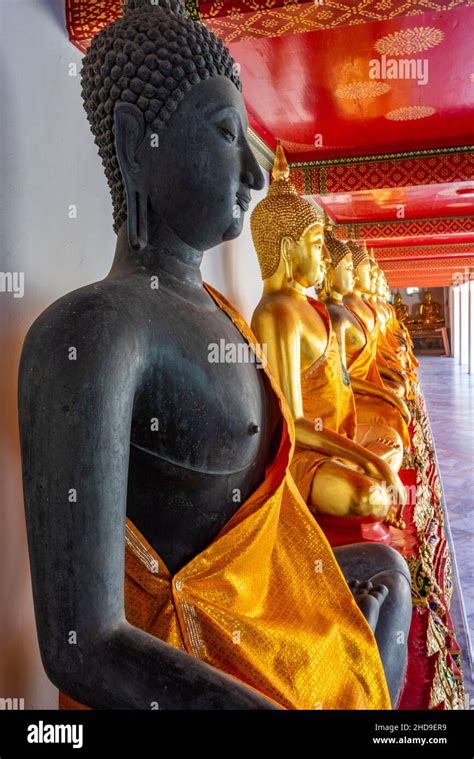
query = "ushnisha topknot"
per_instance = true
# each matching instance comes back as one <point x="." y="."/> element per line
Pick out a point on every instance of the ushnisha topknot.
<point x="372" y="259"/>
<point x="336" y="248"/>
<point x="359" y="252"/>
<point x="150" y="57"/>
<point x="282" y="213"/>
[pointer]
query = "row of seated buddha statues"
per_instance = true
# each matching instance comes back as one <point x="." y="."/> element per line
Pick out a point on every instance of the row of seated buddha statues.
<point x="175" y="564"/>
<point x="395" y="359"/>
<point x="345" y="468"/>
<point x="401" y="308"/>
<point x="428" y="313"/>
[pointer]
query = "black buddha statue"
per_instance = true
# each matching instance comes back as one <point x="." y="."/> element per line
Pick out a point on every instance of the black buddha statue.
<point x="122" y="415"/>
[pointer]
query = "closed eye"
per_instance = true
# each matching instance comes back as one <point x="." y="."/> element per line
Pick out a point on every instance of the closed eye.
<point x="230" y="136"/>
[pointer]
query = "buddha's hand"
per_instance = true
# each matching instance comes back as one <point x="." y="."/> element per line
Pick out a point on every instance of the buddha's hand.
<point x="388" y="492"/>
<point x="394" y="486"/>
<point x="401" y="406"/>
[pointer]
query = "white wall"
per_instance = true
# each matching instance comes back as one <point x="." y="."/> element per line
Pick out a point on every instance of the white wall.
<point x="48" y="161"/>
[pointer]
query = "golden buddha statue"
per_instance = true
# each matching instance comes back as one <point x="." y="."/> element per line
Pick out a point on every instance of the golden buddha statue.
<point x="381" y="414"/>
<point x="401" y="308"/>
<point x="392" y="349"/>
<point x="358" y="301"/>
<point x="398" y="328"/>
<point x="428" y="312"/>
<point x="350" y="488"/>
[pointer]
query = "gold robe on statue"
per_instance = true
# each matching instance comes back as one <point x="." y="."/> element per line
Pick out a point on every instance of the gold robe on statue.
<point x="266" y="601"/>
<point x="370" y="409"/>
<point x="328" y="402"/>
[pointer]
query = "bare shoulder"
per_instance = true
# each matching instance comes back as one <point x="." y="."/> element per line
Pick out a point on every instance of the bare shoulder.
<point x="94" y="322"/>
<point x="93" y="314"/>
<point x="276" y="308"/>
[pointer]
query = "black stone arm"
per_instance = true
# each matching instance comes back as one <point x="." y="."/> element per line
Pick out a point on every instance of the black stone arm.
<point x="126" y="668"/>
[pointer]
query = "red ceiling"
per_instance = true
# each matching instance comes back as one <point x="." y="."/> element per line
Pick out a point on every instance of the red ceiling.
<point x="301" y="64"/>
<point x="291" y="85"/>
<point x="415" y="202"/>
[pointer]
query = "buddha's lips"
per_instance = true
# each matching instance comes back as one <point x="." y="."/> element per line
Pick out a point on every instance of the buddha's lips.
<point x="243" y="201"/>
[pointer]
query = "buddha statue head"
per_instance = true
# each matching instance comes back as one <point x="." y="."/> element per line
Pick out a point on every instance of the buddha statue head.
<point x="362" y="265"/>
<point x="380" y="287"/>
<point x="163" y="98"/>
<point x="287" y="231"/>
<point x="386" y="291"/>
<point x="428" y="296"/>
<point x="339" y="279"/>
<point x="375" y="276"/>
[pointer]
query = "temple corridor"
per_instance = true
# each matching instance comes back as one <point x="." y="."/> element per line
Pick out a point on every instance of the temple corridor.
<point x="449" y="394"/>
<point x="237" y="374"/>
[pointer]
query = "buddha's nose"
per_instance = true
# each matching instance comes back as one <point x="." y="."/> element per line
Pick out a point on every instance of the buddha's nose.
<point x="252" y="174"/>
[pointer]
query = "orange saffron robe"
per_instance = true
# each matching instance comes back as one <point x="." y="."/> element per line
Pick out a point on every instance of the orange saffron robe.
<point x="394" y="326"/>
<point x="328" y="400"/>
<point x="265" y="602"/>
<point x="370" y="409"/>
<point x="390" y="352"/>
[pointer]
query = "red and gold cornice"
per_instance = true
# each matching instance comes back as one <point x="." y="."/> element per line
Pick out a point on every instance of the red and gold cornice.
<point x="421" y="252"/>
<point x="434" y="273"/>
<point x="409" y="229"/>
<point x="437" y="265"/>
<point x="239" y="20"/>
<point x="421" y="167"/>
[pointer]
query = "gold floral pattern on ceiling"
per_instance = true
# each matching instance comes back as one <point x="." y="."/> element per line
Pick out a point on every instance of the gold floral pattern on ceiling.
<point x="244" y="20"/>
<point x="362" y="90"/>
<point x="410" y="113"/>
<point x="409" y="41"/>
<point x="239" y="20"/>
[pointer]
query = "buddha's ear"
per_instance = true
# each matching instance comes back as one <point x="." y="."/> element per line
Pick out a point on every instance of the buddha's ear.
<point x="130" y="131"/>
<point x="286" y="248"/>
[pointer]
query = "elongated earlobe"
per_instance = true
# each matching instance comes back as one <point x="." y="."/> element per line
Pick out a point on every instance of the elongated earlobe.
<point x="137" y="218"/>
<point x="286" y="253"/>
<point x="129" y="134"/>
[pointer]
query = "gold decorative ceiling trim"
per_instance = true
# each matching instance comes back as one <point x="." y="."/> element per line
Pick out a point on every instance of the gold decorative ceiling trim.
<point x="447" y="251"/>
<point x="407" y="222"/>
<point x="374" y="157"/>
<point x="436" y="265"/>
<point x="432" y="228"/>
<point x="383" y="174"/>
<point x="242" y="20"/>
